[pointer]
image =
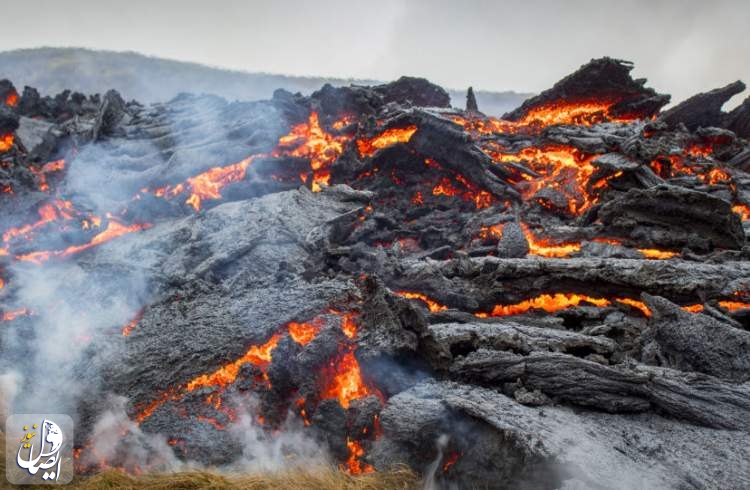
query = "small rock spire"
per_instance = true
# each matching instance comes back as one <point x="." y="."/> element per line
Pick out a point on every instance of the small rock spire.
<point x="471" y="101"/>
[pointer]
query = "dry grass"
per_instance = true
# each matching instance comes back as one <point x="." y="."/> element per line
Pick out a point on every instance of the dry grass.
<point x="321" y="478"/>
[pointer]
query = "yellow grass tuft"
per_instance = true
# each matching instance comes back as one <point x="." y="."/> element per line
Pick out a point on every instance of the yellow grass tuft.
<point x="318" y="478"/>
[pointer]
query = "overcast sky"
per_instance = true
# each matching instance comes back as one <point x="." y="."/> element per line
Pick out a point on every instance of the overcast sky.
<point x="682" y="47"/>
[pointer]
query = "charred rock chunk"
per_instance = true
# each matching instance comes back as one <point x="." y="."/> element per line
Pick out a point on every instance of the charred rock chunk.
<point x="672" y="216"/>
<point x="513" y="242"/>
<point x="702" y="110"/>
<point x="603" y="79"/>
<point x="413" y="91"/>
<point x="695" y="342"/>
<point x="738" y="120"/>
<point x="111" y="113"/>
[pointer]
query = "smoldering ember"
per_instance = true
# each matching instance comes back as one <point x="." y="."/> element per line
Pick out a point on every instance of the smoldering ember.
<point x="559" y="298"/>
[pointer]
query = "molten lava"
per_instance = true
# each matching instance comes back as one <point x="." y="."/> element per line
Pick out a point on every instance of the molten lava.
<point x="342" y="379"/>
<point x="309" y="140"/>
<point x="491" y="232"/>
<point x="258" y="355"/>
<point x="654" y="253"/>
<point x="563" y="168"/>
<point x="353" y="465"/>
<point x="734" y="305"/>
<point x="389" y="137"/>
<point x="555" y="302"/>
<point x="11" y="99"/>
<point x="114" y="229"/>
<point x="546" y="248"/>
<point x="207" y="185"/>
<point x="585" y="113"/>
<point x="41" y="173"/>
<point x="304" y="333"/>
<point x="6" y="142"/>
<point x="743" y="210"/>
<point x="13" y="314"/>
<point x="433" y="306"/>
<point x="582" y="113"/>
<point x="128" y="329"/>
<point x="550" y="303"/>
<point x="56" y="210"/>
<point x="481" y="199"/>
<point x="639" y="305"/>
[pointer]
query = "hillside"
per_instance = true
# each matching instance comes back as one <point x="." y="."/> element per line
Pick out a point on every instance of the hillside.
<point x="149" y="79"/>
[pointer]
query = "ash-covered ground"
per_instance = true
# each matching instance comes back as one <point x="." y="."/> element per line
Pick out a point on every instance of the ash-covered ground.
<point x="366" y="276"/>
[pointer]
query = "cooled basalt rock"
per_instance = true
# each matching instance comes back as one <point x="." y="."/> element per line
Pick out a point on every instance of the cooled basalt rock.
<point x="702" y="109"/>
<point x="672" y="216"/>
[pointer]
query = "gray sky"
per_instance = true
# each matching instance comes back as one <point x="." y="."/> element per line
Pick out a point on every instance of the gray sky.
<point x="682" y="47"/>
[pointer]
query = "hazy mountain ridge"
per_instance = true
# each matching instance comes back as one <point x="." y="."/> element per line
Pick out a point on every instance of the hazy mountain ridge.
<point x="151" y="79"/>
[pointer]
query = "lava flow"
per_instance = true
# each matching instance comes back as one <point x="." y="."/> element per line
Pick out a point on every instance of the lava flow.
<point x="6" y="141"/>
<point x="309" y="140"/>
<point x="546" y="248"/>
<point x="432" y="305"/>
<point x="13" y="314"/>
<point x="552" y="303"/>
<point x="563" y="168"/>
<point x="258" y="355"/>
<point x="114" y="229"/>
<point x="583" y="113"/>
<point x="389" y="137"/>
<point x="206" y="185"/>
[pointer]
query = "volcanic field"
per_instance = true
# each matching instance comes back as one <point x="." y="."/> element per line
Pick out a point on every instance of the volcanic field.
<point x="558" y="298"/>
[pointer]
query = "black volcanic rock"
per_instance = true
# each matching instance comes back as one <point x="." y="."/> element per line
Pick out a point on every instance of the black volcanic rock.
<point x="702" y="110"/>
<point x="738" y="120"/>
<point x="414" y="91"/>
<point x="8" y="114"/>
<point x="675" y="217"/>
<point x="600" y="79"/>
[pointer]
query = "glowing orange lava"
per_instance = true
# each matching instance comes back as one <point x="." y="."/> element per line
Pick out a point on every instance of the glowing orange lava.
<point x="349" y="324"/>
<point x="56" y="210"/>
<point x="12" y="315"/>
<point x="639" y="305"/>
<point x="696" y="308"/>
<point x="114" y="229"/>
<point x="655" y="253"/>
<point x="734" y="305"/>
<point x="433" y="306"/>
<point x="12" y="99"/>
<point x="342" y="379"/>
<point x="304" y="333"/>
<point x="578" y="113"/>
<point x="583" y="113"/>
<point x="41" y="173"/>
<point x="546" y="248"/>
<point x="128" y="329"/>
<point x="259" y="355"/>
<point x="550" y="303"/>
<point x="309" y="140"/>
<point x="389" y="137"/>
<point x="353" y="465"/>
<point x="492" y="231"/>
<point x="563" y="168"/>
<point x="742" y="210"/>
<point x="481" y="199"/>
<point x="6" y="141"/>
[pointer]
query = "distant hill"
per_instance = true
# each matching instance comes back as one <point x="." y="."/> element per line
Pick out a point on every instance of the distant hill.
<point x="149" y="79"/>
